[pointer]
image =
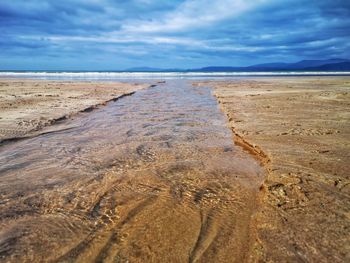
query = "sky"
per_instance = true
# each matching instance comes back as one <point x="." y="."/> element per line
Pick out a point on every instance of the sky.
<point x="121" y="34"/>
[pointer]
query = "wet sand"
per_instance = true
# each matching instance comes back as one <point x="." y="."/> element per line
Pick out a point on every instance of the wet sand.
<point x="300" y="129"/>
<point x="152" y="177"/>
<point x="27" y="106"/>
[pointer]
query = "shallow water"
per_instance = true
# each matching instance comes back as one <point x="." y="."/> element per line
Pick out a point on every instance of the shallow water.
<point x="154" y="176"/>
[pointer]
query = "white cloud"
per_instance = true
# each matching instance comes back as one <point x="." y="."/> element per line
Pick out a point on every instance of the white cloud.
<point x="118" y="38"/>
<point x="193" y="14"/>
<point x="189" y="43"/>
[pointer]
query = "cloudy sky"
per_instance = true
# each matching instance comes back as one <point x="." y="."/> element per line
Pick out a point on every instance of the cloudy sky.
<point x="118" y="34"/>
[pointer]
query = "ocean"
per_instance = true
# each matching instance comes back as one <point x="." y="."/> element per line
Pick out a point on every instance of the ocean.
<point x="108" y="75"/>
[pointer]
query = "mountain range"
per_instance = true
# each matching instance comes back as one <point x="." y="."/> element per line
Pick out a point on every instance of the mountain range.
<point x="335" y="64"/>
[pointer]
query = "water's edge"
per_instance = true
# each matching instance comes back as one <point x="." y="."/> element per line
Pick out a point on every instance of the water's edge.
<point x="157" y="170"/>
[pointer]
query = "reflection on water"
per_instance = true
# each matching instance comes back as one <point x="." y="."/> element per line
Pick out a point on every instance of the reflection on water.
<point x="151" y="177"/>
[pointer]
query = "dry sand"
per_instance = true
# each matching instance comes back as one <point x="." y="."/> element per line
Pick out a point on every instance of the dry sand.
<point x="300" y="129"/>
<point x="26" y="106"/>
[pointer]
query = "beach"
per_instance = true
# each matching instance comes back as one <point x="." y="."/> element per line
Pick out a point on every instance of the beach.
<point x="154" y="177"/>
<point x="238" y="170"/>
<point x="27" y="106"/>
<point x="300" y="130"/>
<point x="175" y="131"/>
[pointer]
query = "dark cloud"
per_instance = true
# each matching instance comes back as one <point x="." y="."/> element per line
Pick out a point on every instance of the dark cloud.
<point x="118" y="34"/>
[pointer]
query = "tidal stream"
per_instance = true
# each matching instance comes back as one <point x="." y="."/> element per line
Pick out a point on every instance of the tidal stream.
<point x="151" y="177"/>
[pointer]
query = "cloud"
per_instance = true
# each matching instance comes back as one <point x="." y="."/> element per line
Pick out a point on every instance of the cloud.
<point x="193" y="14"/>
<point x="178" y="33"/>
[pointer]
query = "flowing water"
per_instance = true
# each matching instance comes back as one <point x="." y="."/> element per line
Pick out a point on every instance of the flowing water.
<point x="152" y="177"/>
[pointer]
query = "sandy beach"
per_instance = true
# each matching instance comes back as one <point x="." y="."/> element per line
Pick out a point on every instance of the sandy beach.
<point x="164" y="174"/>
<point x="151" y="177"/>
<point x="27" y="106"/>
<point x="300" y="130"/>
<point x="187" y="131"/>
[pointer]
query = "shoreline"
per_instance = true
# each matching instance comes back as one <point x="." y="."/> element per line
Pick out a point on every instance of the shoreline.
<point x="29" y="110"/>
<point x="49" y="127"/>
<point x="255" y="109"/>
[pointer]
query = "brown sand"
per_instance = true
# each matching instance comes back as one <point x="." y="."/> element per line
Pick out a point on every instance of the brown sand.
<point x="147" y="189"/>
<point x="26" y="106"/>
<point x="152" y="177"/>
<point x="300" y="128"/>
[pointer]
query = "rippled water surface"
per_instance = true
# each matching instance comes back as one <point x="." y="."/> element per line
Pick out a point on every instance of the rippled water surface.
<point x="152" y="177"/>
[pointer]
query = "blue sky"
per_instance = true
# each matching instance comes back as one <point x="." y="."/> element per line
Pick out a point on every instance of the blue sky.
<point x="113" y="35"/>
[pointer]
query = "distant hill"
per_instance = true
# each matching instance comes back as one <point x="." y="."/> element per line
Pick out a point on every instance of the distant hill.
<point x="304" y="65"/>
<point x="343" y="66"/>
<point x="315" y="63"/>
<point x="335" y="64"/>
